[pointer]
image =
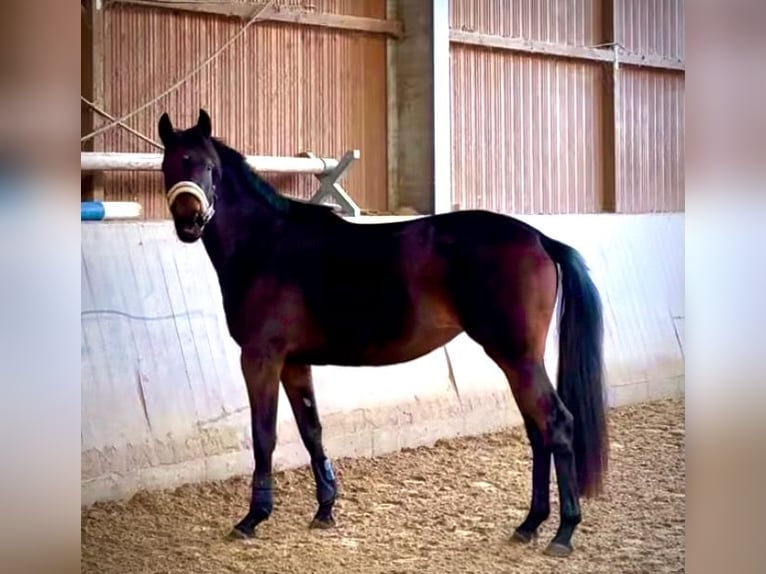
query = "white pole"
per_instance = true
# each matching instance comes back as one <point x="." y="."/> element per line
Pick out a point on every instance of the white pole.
<point x="112" y="161"/>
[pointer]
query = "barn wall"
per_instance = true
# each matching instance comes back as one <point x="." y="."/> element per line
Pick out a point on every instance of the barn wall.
<point x="163" y="400"/>
<point x="534" y="134"/>
<point x="650" y="146"/>
<point x="527" y="130"/>
<point x="650" y="173"/>
<point x="278" y="90"/>
<point x="651" y="27"/>
<point x="575" y="23"/>
<point x="527" y="133"/>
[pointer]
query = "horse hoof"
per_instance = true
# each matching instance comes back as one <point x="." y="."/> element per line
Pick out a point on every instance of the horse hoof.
<point x="558" y="550"/>
<point x="523" y="537"/>
<point x="238" y="534"/>
<point x="322" y="523"/>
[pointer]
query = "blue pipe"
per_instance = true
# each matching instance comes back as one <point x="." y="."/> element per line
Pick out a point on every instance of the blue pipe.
<point x="92" y="211"/>
<point x="103" y="210"/>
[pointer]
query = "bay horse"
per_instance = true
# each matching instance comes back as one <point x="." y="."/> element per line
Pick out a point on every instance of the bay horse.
<point x="303" y="286"/>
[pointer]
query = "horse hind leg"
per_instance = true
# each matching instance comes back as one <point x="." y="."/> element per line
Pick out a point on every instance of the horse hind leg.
<point x="549" y="429"/>
<point x="540" y="506"/>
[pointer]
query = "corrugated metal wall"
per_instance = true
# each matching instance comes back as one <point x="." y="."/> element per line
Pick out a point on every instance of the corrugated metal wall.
<point x="529" y="132"/>
<point x="650" y="146"/>
<point x="563" y="22"/>
<point x="651" y="27"/>
<point x="650" y="160"/>
<point x="278" y="90"/>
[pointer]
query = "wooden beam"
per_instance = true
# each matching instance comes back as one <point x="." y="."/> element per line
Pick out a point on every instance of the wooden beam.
<point x="339" y="21"/>
<point x="562" y="51"/>
<point x="650" y="61"/>
<point x="529" y="46"/>
<point x="285" y="14"/>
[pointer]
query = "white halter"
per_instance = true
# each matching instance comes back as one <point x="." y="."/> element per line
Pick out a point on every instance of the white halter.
<point x="192" y="189"/>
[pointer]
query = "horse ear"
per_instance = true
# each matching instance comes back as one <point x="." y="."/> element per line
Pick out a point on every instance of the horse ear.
<point x="165" y="127"/>
<point x="204" y="124"/>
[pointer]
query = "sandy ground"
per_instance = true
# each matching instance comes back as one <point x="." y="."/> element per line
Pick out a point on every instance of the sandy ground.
<point x="449" y="508"/>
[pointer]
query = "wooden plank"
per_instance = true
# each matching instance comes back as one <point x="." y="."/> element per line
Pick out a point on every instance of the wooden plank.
<point x="530" y="46"/>
<point x="243" y="10"/>
<point x="563" y="51"/>
<point x="651" y="61"/>
<point x="339" y="21"/>
<point x="285" y="14"/>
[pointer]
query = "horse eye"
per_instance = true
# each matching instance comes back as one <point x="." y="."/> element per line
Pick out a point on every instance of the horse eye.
<point x="210" y="167"/>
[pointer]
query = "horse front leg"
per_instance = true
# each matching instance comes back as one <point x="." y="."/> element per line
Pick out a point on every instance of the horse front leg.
<point x="299" y="388"/>
<point x="261" y="369"/>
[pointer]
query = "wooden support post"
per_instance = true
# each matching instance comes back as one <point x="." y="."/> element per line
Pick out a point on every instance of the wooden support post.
<point x="330" y="188"/>
<point x="442" y="115"/>
<point x="92" y="86"/>
<point x="610" y="112"/>
<point x="420" y="95"/>
<point x="392" y="115"/>
<point x="613" y="205"/>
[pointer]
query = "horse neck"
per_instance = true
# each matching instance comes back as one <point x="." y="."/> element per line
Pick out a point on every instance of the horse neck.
<point x="243" y="222"/>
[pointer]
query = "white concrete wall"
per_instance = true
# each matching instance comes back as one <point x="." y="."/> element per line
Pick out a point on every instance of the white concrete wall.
<point x="163" y="401"/>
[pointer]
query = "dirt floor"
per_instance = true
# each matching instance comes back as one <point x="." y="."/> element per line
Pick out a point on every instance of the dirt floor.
<point x="449" y="508"/>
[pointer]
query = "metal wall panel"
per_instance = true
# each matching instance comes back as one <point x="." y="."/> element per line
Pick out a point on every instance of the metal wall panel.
<point x="651" y="27"/>
<point x="574" y="22"/>
<point x="526" y="132"/>
<point x="650" y="161"/>
<point x="278" y="90"/>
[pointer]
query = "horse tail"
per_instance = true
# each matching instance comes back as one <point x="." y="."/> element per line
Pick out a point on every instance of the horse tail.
<point x="581" y="378"/>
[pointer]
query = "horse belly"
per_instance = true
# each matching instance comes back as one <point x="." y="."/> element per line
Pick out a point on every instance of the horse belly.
<point x="414" y="347"/>
<point x="432" y="324"/>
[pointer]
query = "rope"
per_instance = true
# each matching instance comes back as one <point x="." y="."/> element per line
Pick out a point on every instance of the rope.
<point x="135" y="132"/>
<point x="180" y="82"/>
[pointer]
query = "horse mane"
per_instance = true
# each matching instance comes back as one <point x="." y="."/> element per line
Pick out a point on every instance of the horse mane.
<point x="293" y="208"/>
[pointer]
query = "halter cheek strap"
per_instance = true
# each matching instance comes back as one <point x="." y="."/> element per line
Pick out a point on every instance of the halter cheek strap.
<point x="192" y="189"/>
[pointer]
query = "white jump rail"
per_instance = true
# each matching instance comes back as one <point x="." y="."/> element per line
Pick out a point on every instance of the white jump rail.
<point x="328" y="171"/>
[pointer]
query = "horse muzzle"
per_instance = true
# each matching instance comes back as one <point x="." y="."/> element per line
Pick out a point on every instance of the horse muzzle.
<point x="191" y="188"/>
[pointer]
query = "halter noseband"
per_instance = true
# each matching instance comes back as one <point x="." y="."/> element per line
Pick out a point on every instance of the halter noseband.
<point x="195" y="190"/>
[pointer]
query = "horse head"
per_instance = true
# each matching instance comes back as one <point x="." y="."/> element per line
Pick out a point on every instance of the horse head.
<point x="192" y="171"/>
